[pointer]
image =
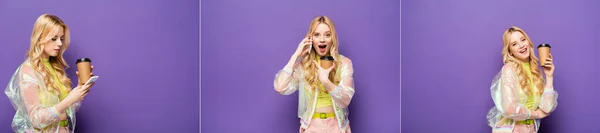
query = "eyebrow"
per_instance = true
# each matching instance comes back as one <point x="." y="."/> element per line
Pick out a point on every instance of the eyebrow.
<point x="325" y="32"/>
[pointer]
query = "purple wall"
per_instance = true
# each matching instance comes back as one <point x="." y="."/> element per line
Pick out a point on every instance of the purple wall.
<point x="451" y="51"/>
<point x="244" y="43"/>
<point x="145" y="51"/>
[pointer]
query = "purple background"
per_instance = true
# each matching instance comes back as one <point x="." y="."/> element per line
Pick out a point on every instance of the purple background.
<point x="451" y="50"/>
<point x="244" y="43"/>
<point x="145" y="52"/>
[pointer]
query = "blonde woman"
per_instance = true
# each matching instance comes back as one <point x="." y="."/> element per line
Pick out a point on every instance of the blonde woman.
<point x="40" y="89"/>
<point x="520" y="94"/>
<point x="324" y="93"/>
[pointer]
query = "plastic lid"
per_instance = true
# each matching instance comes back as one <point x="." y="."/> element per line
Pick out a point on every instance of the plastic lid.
<point x="326" y="57"/>
<point x="83" y="60"/>
<point x="544" y="45"/>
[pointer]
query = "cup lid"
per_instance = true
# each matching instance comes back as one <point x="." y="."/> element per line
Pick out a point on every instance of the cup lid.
<point x="83" y="60"/>
<point x="544" y="45"/>
<point x="326" y="57"/>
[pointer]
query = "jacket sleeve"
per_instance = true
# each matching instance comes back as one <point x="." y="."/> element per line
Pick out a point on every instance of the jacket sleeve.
<point x="504" y="91"/>
<point x="344" y="91"/>
<point x="287" y="79"/>
<point x="549" y="100"/>
<point x="24" y="88"/>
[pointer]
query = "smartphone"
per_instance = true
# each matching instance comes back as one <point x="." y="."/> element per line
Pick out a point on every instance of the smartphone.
<point x="310" y="46"/>
<point x="91" y="80"/>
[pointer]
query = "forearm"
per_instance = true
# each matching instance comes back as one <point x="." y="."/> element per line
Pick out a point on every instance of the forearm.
<point x="518" y="112"/>
<point x="549" y="83"/>
<point x="285" y="83"/>
<point x="549" y="98"/>
<point x="291" y="63"/>
<point x="341" y="94"/>
<point x="329" y="86"/>
<point x="42" y="117"/>
<point x="538" y="114"/>
<point x="62" y="106"/>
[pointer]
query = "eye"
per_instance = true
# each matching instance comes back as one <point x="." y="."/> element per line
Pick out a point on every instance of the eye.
<point x="523" y="40"/>
<point x="54" y="39"/>
<point x="62" y="39"/>
<point x="513" y="44"/>
<point x="317" y="34"/>
<point x="328" y="35"/>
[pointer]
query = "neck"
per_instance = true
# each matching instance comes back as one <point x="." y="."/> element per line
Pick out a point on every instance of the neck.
<point x="523" y="61"/>
<point x="45" y="56"/>
<point x="324" y="55"/>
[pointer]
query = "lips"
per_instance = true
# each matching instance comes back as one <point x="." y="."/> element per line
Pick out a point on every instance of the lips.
<point x="322" y="48"/>
<point x="523" y="50"/>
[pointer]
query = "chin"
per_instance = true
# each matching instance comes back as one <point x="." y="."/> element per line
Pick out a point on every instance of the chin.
<point x="322" y="54"/>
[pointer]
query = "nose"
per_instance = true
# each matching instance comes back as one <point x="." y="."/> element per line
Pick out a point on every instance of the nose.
<point x="59" y="43"/>
<point x="322" y="39"/>
<point x="521" y="45"/>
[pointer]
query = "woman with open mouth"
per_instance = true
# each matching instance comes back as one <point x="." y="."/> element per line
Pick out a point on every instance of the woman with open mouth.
<point x="520" y="94"/>
<point x="323" y="78"/>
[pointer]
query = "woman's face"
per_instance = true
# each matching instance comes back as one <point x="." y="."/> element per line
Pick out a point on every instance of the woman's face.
<point x="322" y="39"/>
<point x="519" y="46"/>
<point x="55" y="41"/>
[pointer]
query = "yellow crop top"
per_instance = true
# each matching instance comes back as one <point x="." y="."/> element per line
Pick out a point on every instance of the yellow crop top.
<point x="63" y="91"/>
<point x="324" y="99"/>
<point x="532" y="97"/>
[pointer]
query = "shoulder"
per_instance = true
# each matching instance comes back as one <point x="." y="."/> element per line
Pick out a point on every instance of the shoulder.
<point x="509" y="67"/>
<point x="345" y="60"/>
<point x="27" y="71"/>
<point x="26" y="68"/>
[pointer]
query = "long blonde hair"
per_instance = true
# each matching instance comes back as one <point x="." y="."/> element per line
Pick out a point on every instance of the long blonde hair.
<point x="40" y="36"/>
<point x="310" y="67"/>
<point x="507" y="57"/>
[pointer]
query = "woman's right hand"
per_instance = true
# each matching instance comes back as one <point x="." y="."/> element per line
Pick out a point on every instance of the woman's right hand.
<point x="78" y="93"/>
<point x="303" y="47"/>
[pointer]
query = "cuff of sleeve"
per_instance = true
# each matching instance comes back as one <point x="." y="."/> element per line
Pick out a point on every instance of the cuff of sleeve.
<point x="528" y="114"/>
<point x="335" y="93"/>
<point x="54" y="112"/>
<point x="550" y="90"/>
<point x="286" y="70"/>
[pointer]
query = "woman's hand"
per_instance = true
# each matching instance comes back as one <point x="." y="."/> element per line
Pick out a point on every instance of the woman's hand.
<point x="303" y="47"/>
<point x="323" y="73"/>
<point x="548" y="67"/>
<point x="78" y="93"/>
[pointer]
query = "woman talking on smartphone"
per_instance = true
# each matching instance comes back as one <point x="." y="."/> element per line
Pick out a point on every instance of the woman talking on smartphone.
<point x="324" y="93"/>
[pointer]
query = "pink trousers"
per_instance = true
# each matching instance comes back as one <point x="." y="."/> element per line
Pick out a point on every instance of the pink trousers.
<point x="328" y="125"/>
<point x="522" y="128"/>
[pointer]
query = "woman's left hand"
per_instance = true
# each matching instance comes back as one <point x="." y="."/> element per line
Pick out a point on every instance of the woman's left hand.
<point x="323" y="73"/>
<point x="549" y="67"/>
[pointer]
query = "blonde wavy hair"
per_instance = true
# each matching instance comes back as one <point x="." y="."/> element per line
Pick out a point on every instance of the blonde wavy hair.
<point x="40" y="36"/>
<point x="310" y="67"/>
<point x="507" y="57"/>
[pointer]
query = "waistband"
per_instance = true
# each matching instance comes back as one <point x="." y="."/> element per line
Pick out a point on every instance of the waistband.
<point x="323" y="115"/>
<point x="64" y="123"/>
<point x="526" y="122"/>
